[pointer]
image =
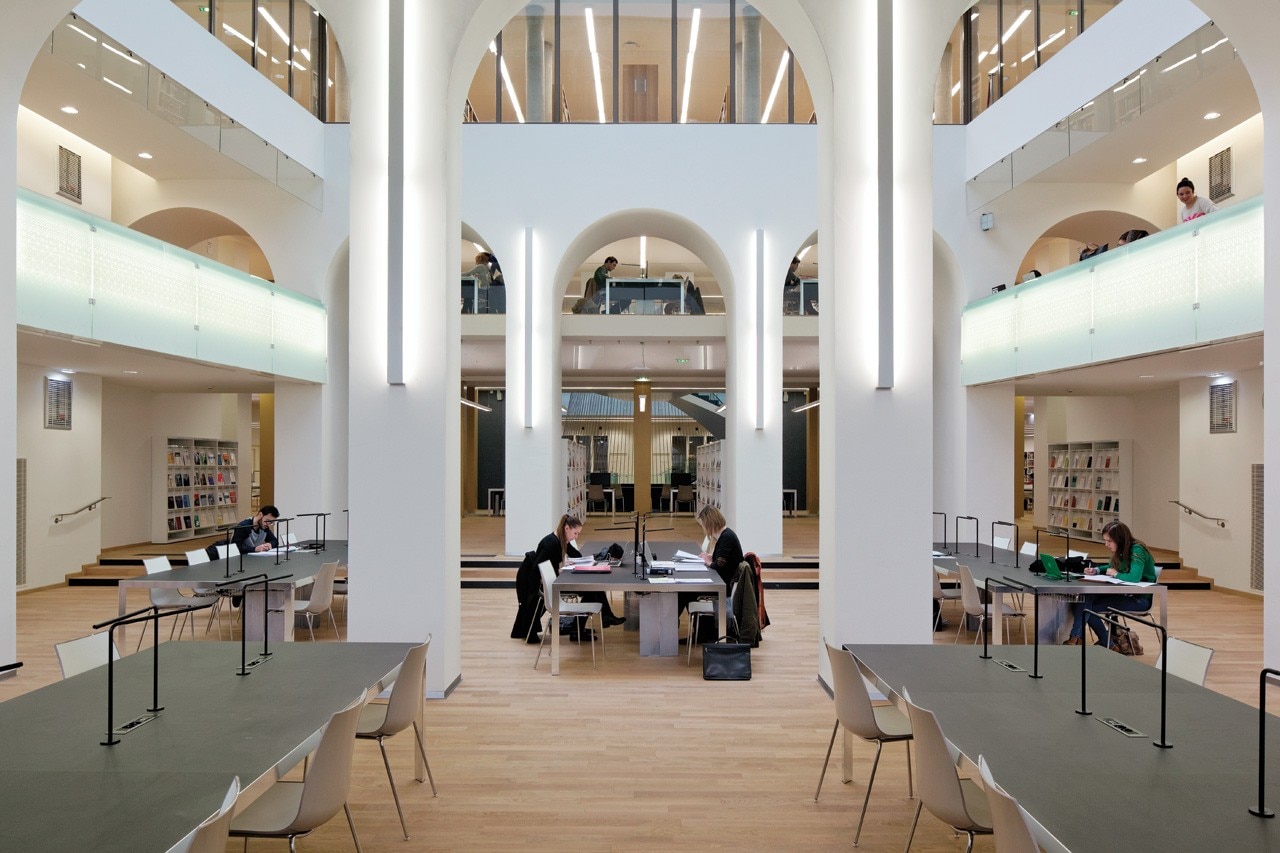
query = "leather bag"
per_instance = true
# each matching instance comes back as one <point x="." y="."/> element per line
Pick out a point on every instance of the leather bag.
<point x="726" y="661"/>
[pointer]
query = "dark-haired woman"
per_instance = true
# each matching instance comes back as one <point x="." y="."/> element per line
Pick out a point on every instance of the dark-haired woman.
<point x="553" y="549"/>
<point x="1130" y="561"/>
<point x="1193" y="206"/>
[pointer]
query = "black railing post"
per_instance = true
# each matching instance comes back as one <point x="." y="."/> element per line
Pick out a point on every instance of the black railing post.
<point x="996" y="524"/>
<point x="1035" y="628"/>
<point x="977" y="526"/>
<point x="944" y="529"/>
<point x="1262" y="810"/>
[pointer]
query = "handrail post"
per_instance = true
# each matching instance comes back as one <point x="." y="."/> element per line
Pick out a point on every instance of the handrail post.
<point x="944" y="528"/>
<point x="996" y="524"/>
<point x="1262" y="810"/>
<point x="1035" y="629"/>
<point x="977" y="526"/>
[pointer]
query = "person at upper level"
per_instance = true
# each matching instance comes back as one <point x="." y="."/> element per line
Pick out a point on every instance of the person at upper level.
<point x="1193" y="206"/>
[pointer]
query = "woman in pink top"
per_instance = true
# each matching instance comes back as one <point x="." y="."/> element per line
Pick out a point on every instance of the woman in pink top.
<point x="1193" y="207"/>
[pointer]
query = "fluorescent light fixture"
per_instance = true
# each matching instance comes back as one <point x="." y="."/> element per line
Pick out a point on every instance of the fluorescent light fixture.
<point x="124" y="89"/>
<point x="1138" y="161"/>
<point x="306" y="54"/>
<point x="1212" y="46"/>
<point x="473" y="404"/>
<point x="120" y="53"/>
<point x="806" y="407"/>
<point x="234" y="33"/>
<point x="643" y="399"/>
<point x="271" y="22"/>
<point x="1214" y="375"/>
<point x="83" y="33"/>
<point x="1017" y="22"/>
<point x="69" y="371"/>
<point x="506" y="81"/>
<point x="956" y="88"/>
<point x="720" y="411"/>
<point x="1210" y="116"/>
<point x="129" y="372"/>
<point x="1146" y="376"/>
<point x="688" y="65"/>
<point x="144" y="155"/>
<point x="644" y="255"/>
<point x="1182" y="61"/>
<point x="69" y="110"/>
<point x="479" y="248"/>
<point x="595" y="61"/>
<point x="777" y="82"/>
<point x="1051" y="39"/>
<point x="298" y="65"/>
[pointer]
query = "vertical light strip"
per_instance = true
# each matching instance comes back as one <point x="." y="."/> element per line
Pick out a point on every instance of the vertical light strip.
<point x="688" y="65"/>
<point x="395" y="194"/>
<point x="595" y="61"/>
<point x="777" y="83"/>
<point x="506" y="81"/>
<point x="528" y="327"/>
<point x="760" y="288"/>
<point x="885" y="188"/>
<point x="644" y="255"/>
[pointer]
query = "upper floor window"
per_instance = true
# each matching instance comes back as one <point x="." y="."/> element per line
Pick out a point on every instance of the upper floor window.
<point x="607" y="61"/>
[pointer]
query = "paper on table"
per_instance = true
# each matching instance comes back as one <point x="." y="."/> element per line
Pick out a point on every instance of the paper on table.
<point x="690" y="567"/>
<point x="689" y="580"/>
<point x="272" y="551"/>
<point x="662" y="580"/>
<point x="1109" y="579"/>
<point x="686" y="557"/>
<point x="581" y="561"/>
<point x="662" y="564"/>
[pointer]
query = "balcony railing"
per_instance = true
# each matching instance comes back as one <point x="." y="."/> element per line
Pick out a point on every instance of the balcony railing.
<point x="1191" y="285"/>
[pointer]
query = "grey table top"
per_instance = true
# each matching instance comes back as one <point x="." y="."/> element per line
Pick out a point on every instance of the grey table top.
<point x="982" y="567"/>
<point x="60" y="790"/>
<point x="303" y="565"/>
<point x="625" y="579"/>
<point x="1088" y="785"/>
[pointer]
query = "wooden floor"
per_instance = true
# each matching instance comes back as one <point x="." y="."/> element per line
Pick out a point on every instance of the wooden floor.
<point x="641" y="753"/>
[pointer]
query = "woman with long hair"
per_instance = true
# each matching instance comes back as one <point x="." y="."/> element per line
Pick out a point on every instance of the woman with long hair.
<point x="1130" y="561"/>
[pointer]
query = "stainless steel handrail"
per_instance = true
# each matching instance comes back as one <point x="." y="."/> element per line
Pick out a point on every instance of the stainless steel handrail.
<point x="89" y="506"/>
<point x="1221" y="522"/>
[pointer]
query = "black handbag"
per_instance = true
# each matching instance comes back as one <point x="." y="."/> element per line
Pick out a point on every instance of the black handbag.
<point x="726" y="661"/>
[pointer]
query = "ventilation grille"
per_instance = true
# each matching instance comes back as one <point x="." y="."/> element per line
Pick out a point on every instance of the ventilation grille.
<point x="68" y="174"/>
<point x="1222" y="408"/>
<point x="1255" y="528"/>
<point x="57" y="403"/>
<point x="1220" y="176"/>
<point x="20" y="537"/>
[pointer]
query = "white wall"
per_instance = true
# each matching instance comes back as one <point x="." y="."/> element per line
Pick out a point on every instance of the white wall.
<point x="1245" y="142"/>
<point x="1215" y="479"/>
<point x="38" y="141"/>
<point x="126" y="464"/>
<point x="64" y="473"/>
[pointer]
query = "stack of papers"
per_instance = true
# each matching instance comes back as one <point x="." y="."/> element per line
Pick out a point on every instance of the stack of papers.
<point x="271" y="552"/>
<point x="1109" y="579"/>
<point x="581" y="561"/>
<point x="686" y="557"/>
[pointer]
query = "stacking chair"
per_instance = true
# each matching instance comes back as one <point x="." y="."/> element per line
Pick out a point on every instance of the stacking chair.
<point x="707" y="607"/>
<point x="1029" y="549"/>
<point x="1012" y="832"/>
<point x="683" y="495"/>
<point x="959" y="803"/>
<point x="171" y="599"/>
<point x="321" y="599"/>
<point x="973" y="606"/>
<point x="880" y="723"/>
<point x="84" y="653"/>
<point x="1187" y="660"/>
<point x="942" y="595"/>
<point x="288" y="809"/>
<point x="198" y="557"/>
<point x="1084" y="555"/>
<point x="211" y="836"/>
<point x="581" y="611"/>
<point x="1146" y="613"/>
<point x="1000" y="543"/>
<point x="378" y="721"/>
<point x="595" y="494"/>
<point x="340" y="589"/>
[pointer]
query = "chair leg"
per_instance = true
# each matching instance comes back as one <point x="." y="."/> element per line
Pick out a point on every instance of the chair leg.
<point x="914" y="821"/>
<point x="395" y="795"/>
<point x="310" y="628"/>
<point x="910" y="787"/>
<point x="333" y="621"/>
<point x="417" y="735"/>
<point x="351" y="823"/>
<point x="543" y="641"/>
<point x="867" y="798"/>
<point x="826" y="761"/>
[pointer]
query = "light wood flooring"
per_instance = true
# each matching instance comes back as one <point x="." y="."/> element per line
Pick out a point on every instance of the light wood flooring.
<point x="639" y="754"/>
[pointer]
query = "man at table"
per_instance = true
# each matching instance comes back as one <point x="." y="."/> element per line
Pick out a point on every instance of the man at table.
<point x="254" y="534"/>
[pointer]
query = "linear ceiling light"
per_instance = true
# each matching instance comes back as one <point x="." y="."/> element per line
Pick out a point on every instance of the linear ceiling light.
<point x="644" y="255"/>
<point x="1017" y="22"/>
<point x="83" y="33"/>
<point x="473" y="404"/>
<point x="234" y="33"/>
<point x="120" y="53"/>
<point x="271" y="22"/>
<point x="595" y="62"/>
<point x="1182" y="61"/>
<point x="777" y="82"/>
<point x="807" y="406"/>
<point x="506" y="80"/>
<point x="124" y="89"/>
<point x="688" y="65"/>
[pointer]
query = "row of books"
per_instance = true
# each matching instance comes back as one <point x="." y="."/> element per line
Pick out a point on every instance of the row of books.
<point x="182" y="456"/>
<point x="1082" y="460"/>
<point x="190" y="522"/>
<point x="1081" y="481"/>
<point x="1103" y="503"/>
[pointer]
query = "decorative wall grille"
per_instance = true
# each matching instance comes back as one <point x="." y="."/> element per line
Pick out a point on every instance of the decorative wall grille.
<point x="1222" y="408"/>
<point x="1220" y="176"/>
<point x="57" y="403"/>
<point x="20" y="533"/>
<point x="69" y="174"/>
<point x="1255" y="529"/>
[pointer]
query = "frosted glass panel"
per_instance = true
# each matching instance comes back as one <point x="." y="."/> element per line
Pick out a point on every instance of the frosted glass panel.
<point x="235" y="322"/>
<point x="143" y="295"/>
<point x="1142" y="300"/>
<point x="300" y="329"/>
<point x="53" y="269"/>
<point x="987" y="340"/>
<point x="1054" y="317"/>
<point x="1230" y="272"/>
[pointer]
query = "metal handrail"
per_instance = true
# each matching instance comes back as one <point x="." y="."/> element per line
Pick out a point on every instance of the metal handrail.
<point x="57" y="519"/>
<point x="1221" y="522"/>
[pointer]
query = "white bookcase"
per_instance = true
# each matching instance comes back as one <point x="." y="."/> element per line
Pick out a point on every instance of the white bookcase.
<point x="195" y="486"/>
<point x="710" y="483"/>
<point x="1090" y="484"/>
<point x="575" y="494"/>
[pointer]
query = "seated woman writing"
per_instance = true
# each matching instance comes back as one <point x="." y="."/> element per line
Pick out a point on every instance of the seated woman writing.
<point x="553" y="549"/>
<point x="1130" y="561"/>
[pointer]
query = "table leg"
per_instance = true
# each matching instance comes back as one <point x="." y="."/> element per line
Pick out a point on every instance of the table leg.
<point x="123" y="593"/>
<point x="722" y="614"/>
<point x="997" y="615"/>
<point x="554" y="628"/>
<point x="1163" y="592"/>
<point x="659" y="624"/>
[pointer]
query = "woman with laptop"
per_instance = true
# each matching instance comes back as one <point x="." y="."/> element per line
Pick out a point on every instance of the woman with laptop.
<point x="553" y="549"/>
<point x="1130" y="561"/>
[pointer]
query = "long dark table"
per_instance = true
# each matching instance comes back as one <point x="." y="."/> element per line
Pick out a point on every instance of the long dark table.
<point x="303" y="564"/>
<point x="1087" y="786"/>
<point x="60" y="790"/>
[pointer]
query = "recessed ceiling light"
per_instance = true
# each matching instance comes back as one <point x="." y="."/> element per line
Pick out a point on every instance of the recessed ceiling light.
<point x="1215" y="375"/>
<point x="67" y="370"/>
<point x="1212" y="116"/>
<point x="70" y="110"/>
<point x="144" y="155"/>
<point x="130" y="372"/>
<point x="1146" y="376"/>
<point x="1138" y="161"/>
<point x="682" y="361"/>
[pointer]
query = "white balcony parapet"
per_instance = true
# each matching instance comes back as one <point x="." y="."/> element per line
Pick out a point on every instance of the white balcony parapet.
<point x="1194" y="284"/>
<point x="90" y="278"/>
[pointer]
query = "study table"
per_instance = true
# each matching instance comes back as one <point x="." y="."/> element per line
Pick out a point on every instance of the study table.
<point x="659" y="607"/>
<point x="302" y="564"/>
<point x="60" y="790"/>
<point x="1087" y="786"/>
<point x="1050" y="613"/>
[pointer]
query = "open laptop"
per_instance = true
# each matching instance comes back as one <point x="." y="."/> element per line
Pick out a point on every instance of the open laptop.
<point x="1051" y="567"/>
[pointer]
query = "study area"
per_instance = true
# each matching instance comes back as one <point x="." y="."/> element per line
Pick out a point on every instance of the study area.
<point x="320" y="200"/>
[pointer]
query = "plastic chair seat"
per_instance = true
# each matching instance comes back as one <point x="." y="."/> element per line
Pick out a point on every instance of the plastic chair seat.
<point x="893" y="724"/>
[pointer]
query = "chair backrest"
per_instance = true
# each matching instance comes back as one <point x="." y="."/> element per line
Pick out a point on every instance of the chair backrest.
<point x="322" y="588"/>
<point x="84" y="653"/>
<point x="853" y="702"/>
<point x="938" y="784"/>
<point x="211" y="836"/>
<point x="223" y="550"/>
<point x="196" y="557"/>
<point x="595" y="492"/>
<point x="1187" y="660"/>
<point x="937" y="585"/>
<point x="1028" y="549"/>
<point x="1000" y="543"/>
<point x="153" y="565"/>
<point x="289" y="538"/>
<point x="969" y="592"/>
<point x="1084" y="555"/>
<point x="329" y="774"/>
<point x="406" y="693"/>
<point x="1008" y="820"/>
<point x="548" y="574"/>
<point x="684" y="492"/>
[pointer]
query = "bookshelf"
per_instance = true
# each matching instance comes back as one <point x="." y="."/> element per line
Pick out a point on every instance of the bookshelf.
<point x="1028" y="480"/>
<point x="575" y="500"/>
<point x="1090" y="484"/>
<point x="709" y="479"/>
<point x="195" y="487"/>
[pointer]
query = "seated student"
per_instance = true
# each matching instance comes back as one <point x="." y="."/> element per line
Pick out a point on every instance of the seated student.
<point x="254" y="534"/>
<point x="553" y="549"/>
<point x="724" y="558"/>
<point x="1130" y="561"/>
<point x="1091" y="250"/>
<point x="1131" y="235"/>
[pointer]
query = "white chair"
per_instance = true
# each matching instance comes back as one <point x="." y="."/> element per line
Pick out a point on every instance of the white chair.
<point x="880" y="723"/>
<point x="1084" y="555"/>
<point x="1029" y="549"/>
<point x="198" y="557"/>
<point x="288" y="809"/>
<point x="171" y="599"/>
<point x="1187" y="660"/>
<point x="288" y="539"/>
<point x="211" y="835"/>
<point x="581" y="611"/>
<point x="973" y="606"/>
<point x="959" y="803"/>
<point x="942" y="595"/>
<point x="1000" y="543"/>
<point x="321" y="599"/>
<point x="1008" y="821"/>
<point x="378" y="720"/>
<point x="84" y="653"/>
<point x="707" y="607"/>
